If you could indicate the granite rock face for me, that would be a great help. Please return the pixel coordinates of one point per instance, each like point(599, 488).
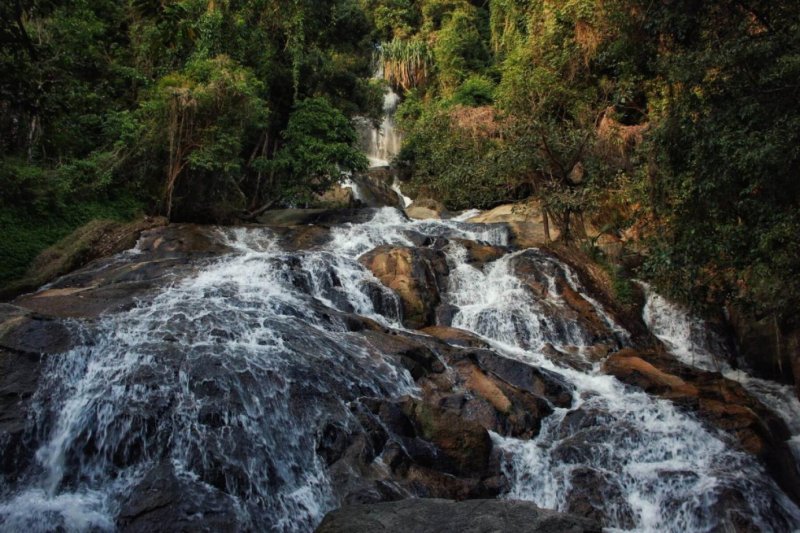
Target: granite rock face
point(435, 516)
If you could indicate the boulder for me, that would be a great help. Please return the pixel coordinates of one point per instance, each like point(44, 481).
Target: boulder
point(24, 331)
point(626, 366)
point(465, 445)
point(594, 493)
point(415, 274)
point(417, 358)
point(498, 406)
point(112, 284)
point(455, 336)
point(545, 277)
point(26, 339)
point(426, 209)
point(337, 196)
point(164, 501)
point(410, 448)
point(537, 381)
point(478, 254)
point(471, 516)
point(375, 189)
point(19, 377)
point(524, 220)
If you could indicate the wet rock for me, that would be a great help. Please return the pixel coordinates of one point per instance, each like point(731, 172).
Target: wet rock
point(434, 516)
point(594, 495)
point(417, 358)
point(295, 238)
point(524, 221)
point(375, 189)
point(549, 285)
point(719, 402)
point(24, 331)
point(599, 284)
point(445, 313)
point(478, 254)
point(182, 239)
point(337, 197)
point(97, 239)
point(420, 240)
point(569, 356)
point(411, 448)
point(455, 336)
point(465, 445)
point(626, 366)
point(538, 381)
point(26, 340)
point(496, 405)
point(114, 284)
point(163, 501)
point(19, 377)
point(415, 274)
point(585, 310)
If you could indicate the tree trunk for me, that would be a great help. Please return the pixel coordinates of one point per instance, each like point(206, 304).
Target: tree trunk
point(546, 221)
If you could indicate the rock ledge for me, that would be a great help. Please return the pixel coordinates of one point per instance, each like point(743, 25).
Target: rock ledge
point(471, 516)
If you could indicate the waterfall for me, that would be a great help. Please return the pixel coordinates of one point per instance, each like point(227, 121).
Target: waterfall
point(691, 341)
point(381, 143)
point(228, 376)
point(652, 467)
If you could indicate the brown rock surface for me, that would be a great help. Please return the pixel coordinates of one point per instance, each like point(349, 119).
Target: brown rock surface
point(414, 274)
point(479, 254)
point(426, 209)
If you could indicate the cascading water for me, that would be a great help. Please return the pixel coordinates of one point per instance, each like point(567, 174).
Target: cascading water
point(228, 376)
point(690, 340)
point(200, 377)
point(647, 465)
point(382, 143)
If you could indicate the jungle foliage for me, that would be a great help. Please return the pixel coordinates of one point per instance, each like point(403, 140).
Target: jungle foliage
point(186, 108)
point(674, 124)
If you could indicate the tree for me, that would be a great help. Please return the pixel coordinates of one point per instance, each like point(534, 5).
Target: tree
point(319, 149)
point(728, 151)
point(198, 120)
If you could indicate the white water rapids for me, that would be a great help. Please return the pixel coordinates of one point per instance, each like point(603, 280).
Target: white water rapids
point(229, 375)
point(690, 340)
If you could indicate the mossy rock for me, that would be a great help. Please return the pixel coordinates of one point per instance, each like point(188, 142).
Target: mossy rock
point(96, 239)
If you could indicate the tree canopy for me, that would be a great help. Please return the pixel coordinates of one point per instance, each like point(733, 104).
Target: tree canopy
point(675, 121)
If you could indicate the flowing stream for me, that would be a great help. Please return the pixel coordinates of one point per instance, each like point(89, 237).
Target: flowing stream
point(228, 376)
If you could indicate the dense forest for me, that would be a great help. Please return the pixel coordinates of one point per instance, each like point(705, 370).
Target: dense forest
point(675, 122)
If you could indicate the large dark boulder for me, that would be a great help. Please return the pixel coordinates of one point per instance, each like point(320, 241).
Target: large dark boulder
point(26, 339)
point(435, 516)
point(165, 501)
